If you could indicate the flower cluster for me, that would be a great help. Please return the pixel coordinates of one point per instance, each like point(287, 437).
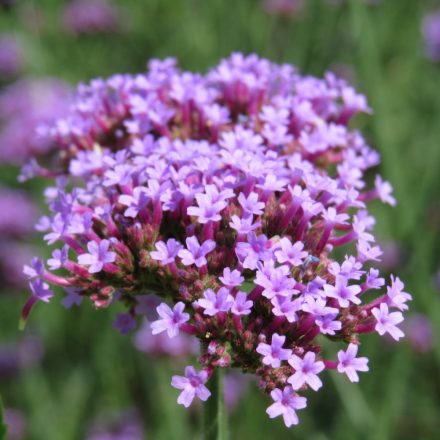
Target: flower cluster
point(229, 195)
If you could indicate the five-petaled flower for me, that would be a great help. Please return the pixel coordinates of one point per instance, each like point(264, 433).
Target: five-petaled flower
point(286, 404)
point(97, 256)
point(274, 353)
point(387, 322)
point(350, 364)
point(196, 252)
point(192, 385)
point(306, 371)
point(171, 319)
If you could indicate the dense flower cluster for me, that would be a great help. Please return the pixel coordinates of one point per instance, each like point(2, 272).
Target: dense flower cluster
point(232, 196)
point(24, 106)
point(431, 35)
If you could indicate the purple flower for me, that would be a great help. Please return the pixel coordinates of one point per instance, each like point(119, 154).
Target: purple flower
point(290, 253)
point(136, 202)
point(59, 258)
point(36, 270)
point(431, 35)
point(17, 213)
point(73, 297)
point(384, 191)
point(231, 278)
point(386, 321)
point(275, 281)
point(318, 307)
point(200, 187)
point(286, 402)
point(274, 353)
point(40, 290)
point(125, 323)
point(283, 306)
point(328, 325)
point(146, 305)
point(166, 252)
point(214, 303)
point(196, 253)
point(97, 256)
point(192, 385)
point(396, 297)
point(161, 344)
point(241, 305)
point(27, 107)
point(254, 250)
point(250, 204)
point(420, 333)
point(171, 319)
point(207, 210)
point(91, 16)
point(342, 292)
point(244, 225)
point(306, 371)
point(350, 364)
point(11, 57)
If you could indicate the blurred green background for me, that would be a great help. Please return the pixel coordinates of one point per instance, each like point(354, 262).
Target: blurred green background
point(88, 373)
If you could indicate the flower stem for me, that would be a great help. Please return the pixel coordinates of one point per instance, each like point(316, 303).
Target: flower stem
point(3, 428)
point(215, 417)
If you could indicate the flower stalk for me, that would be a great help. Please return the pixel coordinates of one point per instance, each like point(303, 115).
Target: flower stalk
point(215, 416)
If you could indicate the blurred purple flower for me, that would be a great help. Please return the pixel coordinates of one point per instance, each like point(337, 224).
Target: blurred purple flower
point(15, 357)
point(11, 57)
point(124, 322)
point(431, 35)
point(286, 8)
point(419, 332)
point(13, 256)
point(16, 423)
point(120, 426)
point(17, 212)
point(26, 107)
point(161, 344)
point(235, 386)
point(91, 17)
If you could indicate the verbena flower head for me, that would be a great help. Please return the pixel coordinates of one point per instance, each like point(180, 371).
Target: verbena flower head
point(226, 195)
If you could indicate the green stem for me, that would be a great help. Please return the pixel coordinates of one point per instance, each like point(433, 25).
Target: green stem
point(3, 427)
point(215, 417)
